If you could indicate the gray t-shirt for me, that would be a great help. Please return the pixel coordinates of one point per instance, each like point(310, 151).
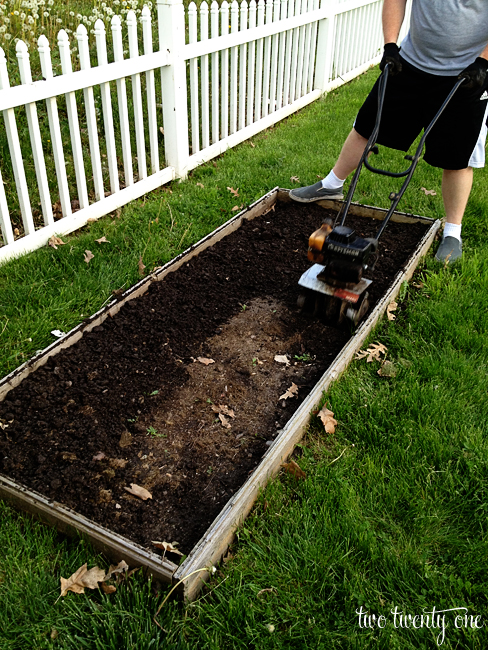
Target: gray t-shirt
point(446, 35)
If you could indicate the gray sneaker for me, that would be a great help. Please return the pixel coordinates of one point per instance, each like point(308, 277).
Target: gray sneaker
point(315, 193)
point(450, 249)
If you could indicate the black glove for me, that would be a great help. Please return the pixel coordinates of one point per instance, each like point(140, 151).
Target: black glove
point(475, 73)
point(391, 55)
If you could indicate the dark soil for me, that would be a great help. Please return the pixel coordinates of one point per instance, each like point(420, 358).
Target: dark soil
point(131, 402)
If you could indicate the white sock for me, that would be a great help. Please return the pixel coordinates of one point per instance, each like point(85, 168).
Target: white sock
point(452, 230)
point(331, 182)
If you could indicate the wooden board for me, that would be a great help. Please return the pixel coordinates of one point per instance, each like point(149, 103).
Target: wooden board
point(213, 545)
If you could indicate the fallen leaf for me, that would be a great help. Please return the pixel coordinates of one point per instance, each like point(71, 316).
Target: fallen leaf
point(225, 422)
point(205, 361)
point(167, 547)
point(108, 589)
point(88, 256)
point(221, 408)
point(290, 392)
point(233, 191)
point(125, 439)
point(237, 207)
point(252, 144)
point(116, 569)
point(161, 130)
point(102, 240)
point(138, 491)
point(387, 369)
point(82, 579)
point(294, 469)
point(294, 179)
point(99, 456)
point(328, 420)
point(390, 309)
point(16, 232)
point(418, 285)
point(56, 241)
point(427, 192)
point(200, 185)
point(282, 358)
point(57, 210)
point(118, 462)
point(374, 351)
point(141, 265)
point(271, 590)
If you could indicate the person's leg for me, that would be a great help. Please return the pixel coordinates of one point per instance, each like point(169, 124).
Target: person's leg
point(350, 155)
point(456, 187)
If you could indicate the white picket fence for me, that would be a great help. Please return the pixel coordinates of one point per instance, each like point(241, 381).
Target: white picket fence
point(248, 65)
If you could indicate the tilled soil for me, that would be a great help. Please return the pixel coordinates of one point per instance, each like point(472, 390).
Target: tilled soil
point(180, 392)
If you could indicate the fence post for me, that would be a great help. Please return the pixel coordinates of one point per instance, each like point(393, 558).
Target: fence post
point(325, 47)
point(171, 27)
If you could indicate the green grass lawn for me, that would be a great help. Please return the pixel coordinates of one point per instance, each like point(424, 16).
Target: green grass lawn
point(393, 511)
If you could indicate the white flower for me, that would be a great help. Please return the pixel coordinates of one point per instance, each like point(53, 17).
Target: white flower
point(36, 16)
point(71, 13)
point(59, 21)
point(30, 20)
point(22, 15)
point(46, 14)
point(7, 37)
point(16, 13)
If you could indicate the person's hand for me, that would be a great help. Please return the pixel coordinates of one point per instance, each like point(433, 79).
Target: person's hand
point(391, 55)
point(474, 74)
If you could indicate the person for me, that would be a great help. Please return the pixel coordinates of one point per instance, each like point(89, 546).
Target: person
point(447, 40)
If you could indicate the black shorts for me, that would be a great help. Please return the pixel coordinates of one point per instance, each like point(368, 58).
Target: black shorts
point(412, 99)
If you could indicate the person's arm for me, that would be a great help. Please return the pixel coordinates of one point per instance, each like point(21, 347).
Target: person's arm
point(393, 15)
point(484, 54)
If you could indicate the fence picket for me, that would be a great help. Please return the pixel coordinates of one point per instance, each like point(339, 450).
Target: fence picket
point(16, 155)
point(313, 49)
point(214, 26)
point(194, 99)
point(234, 54)
point(301, 50)
point(204, 77)
point(224, 81)
point(73, 122)
point(116, 26)
point(55, 128)
point(242, 68)
point(36, 143)
point(5, 224)
point(91, 115)
point(259, 65)
point(267, 60)
point(294, 54)
point(274, 59)
point(152, 121)
point(251, 64)
point(288, 51)
point(137, 97)
point(306, 52)
point(281, 57)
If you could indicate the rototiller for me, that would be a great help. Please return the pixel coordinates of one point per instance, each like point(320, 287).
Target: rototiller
point(334, 287)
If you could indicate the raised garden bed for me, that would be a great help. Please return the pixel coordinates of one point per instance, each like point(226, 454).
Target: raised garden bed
point(174, 387)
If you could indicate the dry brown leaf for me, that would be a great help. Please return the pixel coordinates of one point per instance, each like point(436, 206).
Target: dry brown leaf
point(282, 358)
point(252, 144)
point(387, 369)
point(102, 240)
point(200, 185)
point(141, 266)
point(222, 408)
point(374, 351)
point(167, 547)
point(205, 361)
point(233, 191)
point(227, 558)
point(418, 285)
point(427, 192)
point(225, 422)
point(161, 130)
point(16, 232)
point(118, 462)
point(108, 589)
point(99, 456)
point(88, 256)
point(237, 207)
point(290, 392)
point(294, 469)
point(56, 241)
point(82, 579)
point(270, 590)
point(294, 179)
point(390, 309)
point(138, 491)
point(116, 569)
point(328, 420)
